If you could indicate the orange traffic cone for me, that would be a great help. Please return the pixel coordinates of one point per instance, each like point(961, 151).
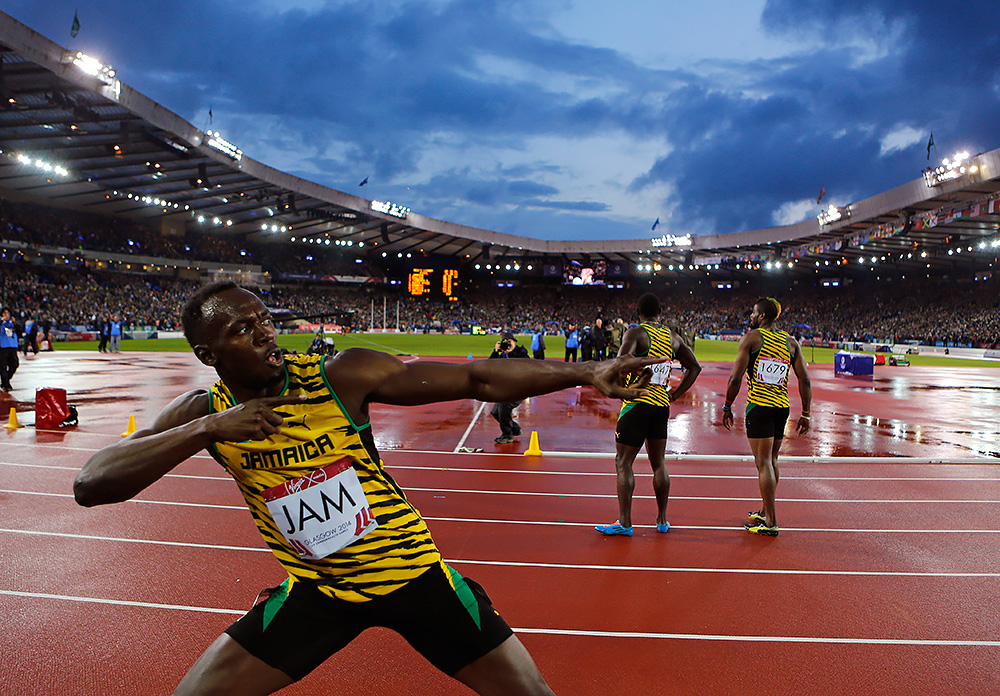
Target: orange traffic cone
point(131, 427)
point(533, 449)
point(12, 423)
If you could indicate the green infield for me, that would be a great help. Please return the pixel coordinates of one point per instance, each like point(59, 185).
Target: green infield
point(463, 345)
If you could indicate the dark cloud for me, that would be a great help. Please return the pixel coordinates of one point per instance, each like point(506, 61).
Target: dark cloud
point(386, 90)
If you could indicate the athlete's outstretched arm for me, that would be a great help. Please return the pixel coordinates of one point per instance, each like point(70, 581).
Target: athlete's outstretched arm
point(805, 385)
point(361, 376)
point(181, 430)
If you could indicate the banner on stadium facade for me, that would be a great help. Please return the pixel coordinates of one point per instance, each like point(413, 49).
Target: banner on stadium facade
point(315, 277)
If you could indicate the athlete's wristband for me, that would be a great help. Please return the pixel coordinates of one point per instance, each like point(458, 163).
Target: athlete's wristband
point(728, 408)
point(803, 417)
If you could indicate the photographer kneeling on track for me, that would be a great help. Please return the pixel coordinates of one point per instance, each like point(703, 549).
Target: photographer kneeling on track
point(503, 413)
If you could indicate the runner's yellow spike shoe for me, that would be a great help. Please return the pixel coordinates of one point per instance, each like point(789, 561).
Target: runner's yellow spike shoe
point(761, 528)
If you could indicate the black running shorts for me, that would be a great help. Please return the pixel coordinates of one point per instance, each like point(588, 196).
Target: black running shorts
point(766, 421)
point(641, 421)
point(295, 631)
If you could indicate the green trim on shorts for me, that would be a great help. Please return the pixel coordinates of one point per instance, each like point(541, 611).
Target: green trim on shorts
point(275, 602)
point(465, 595)
point(750, 406)
point(627, 407)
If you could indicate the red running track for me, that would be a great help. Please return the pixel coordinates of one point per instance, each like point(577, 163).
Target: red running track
point(883, 580)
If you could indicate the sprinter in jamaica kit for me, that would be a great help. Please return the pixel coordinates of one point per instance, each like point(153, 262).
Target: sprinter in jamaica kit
point(294, 433)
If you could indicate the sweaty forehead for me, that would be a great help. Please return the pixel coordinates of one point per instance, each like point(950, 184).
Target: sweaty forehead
point(229, 306)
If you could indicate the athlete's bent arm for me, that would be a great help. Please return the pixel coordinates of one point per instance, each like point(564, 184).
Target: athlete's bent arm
point(692, 368)
point(747, 344)
point(181, 430)
point(805, 386)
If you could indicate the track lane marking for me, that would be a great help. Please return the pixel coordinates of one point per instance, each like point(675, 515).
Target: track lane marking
point(555, 631)
point(548, 565)
point(734, 477)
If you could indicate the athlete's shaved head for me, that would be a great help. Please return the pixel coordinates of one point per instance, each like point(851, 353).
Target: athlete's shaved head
point(648, 306)
point(193, 318)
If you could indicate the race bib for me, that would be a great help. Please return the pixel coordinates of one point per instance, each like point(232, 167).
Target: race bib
point(321, 512)
point(771, 370)
point(661, 374)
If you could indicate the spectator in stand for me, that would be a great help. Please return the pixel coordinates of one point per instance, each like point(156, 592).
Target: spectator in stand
point(617, 332)
point(538, 343)
point(30, 335)
point(600, 338)
point(115, 334)
point(586, 344)
point(8, 349)
point(103, 327)
point(572, 343)
point(46, 326)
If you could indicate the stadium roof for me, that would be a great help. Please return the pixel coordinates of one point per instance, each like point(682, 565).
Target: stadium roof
point(74, 135)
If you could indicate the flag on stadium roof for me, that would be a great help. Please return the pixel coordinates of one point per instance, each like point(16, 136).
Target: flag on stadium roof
point(656, 224)
point(365, 181)
point(75, 28)
point(930, 144)
point(822, 192)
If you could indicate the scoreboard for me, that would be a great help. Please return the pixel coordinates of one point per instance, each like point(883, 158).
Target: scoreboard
point(434, 283)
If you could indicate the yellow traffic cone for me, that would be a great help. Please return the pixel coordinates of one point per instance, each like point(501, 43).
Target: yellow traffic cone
point(12, 423)
point(131, 427)
point(533, 449)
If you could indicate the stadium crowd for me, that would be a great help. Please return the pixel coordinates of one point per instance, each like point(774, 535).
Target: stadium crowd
point(71, 294)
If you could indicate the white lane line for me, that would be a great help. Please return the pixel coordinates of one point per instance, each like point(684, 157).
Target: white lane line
point(529, 564)
point(472, 423)
point(557, 494)
point(760, 639)
point(599, 496)
point(638, 474)
point(133, 500)
point(558, 631)
point(549, 523)
point(123, 540)
point(536, 472)
point(681, 457)
point(121, 602)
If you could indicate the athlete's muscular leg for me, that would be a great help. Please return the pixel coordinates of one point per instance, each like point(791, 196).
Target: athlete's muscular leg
point(507, 670)
point(656, 449)
point(774, 458)
point(227, 669)
point(767, 476)
point(624, 458)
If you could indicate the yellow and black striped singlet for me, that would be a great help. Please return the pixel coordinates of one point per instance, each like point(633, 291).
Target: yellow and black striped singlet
point(775, 346)
point(660, 344)
point(317, 433)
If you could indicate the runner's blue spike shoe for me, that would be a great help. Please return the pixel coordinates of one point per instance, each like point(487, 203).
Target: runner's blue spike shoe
point(663, 528)
point(615, 529)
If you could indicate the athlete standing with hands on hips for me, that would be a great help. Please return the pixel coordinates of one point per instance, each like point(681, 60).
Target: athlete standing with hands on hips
point(766, 355)
point(294, 433)
point(644, 420)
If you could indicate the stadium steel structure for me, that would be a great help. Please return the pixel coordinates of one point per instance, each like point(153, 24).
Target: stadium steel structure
point(73, 135)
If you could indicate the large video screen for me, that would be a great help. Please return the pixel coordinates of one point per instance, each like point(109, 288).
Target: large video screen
point(575, 273)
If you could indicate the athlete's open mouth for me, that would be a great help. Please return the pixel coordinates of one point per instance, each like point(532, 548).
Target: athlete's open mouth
point(275, 358)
